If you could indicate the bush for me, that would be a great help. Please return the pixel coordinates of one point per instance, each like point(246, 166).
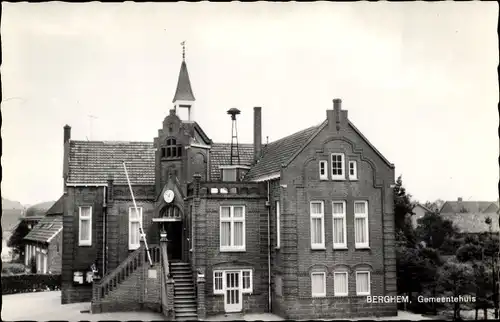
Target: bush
point(30, 283)
point(13, 269)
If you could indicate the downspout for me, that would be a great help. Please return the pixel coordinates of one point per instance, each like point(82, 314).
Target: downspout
point(268, 204)
point(104, 244)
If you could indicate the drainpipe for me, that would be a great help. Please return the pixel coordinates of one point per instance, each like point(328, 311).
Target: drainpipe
point(104, 244)
point(268, 204)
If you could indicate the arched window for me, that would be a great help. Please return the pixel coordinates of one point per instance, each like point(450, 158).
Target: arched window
point(171, 150)
point(172, 212)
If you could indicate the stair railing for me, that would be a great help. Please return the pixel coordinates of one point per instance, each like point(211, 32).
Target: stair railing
point(133, 262)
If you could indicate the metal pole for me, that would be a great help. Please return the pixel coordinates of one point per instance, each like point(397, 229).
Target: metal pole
point(141, 230)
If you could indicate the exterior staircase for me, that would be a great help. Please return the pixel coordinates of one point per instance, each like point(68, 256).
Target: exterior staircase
point(185, 305)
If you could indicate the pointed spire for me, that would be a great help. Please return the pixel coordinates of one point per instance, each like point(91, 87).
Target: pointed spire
point(183, 91)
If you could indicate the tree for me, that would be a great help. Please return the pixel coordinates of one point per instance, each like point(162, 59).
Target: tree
point(491, 253)
point(16, 240)
point(434, 206)
point(472, 252)
point(456, 279)
point(434, 230)
point(402, 213)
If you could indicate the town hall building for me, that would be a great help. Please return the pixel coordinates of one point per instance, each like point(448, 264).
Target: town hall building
point(302, 227)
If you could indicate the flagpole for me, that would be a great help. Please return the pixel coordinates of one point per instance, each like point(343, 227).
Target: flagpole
point(141, 229)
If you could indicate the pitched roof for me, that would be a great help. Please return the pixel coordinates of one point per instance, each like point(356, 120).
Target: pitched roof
point(93, 162)
point(57, 208)
point(220, 154)
point(183, 91)
point(469, 207)
point(38, 210)
point(278, 152)
point(46, 229)
point(472, 222)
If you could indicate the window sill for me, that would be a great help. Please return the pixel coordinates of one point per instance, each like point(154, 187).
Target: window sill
point(277, 248)
point(323, 179)
point(340, 248)
point(318, 248)
point(353, 179)
point(341, 295)
point(338, 179)
point(85, 244)
point(320, 296)
point(362, 247)
point(363, 294)
point(232, 250)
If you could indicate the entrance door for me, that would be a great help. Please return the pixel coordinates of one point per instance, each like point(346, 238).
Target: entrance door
point(174, 236)
point(232, 293)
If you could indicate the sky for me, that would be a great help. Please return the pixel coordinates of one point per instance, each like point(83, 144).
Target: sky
point(419, 80)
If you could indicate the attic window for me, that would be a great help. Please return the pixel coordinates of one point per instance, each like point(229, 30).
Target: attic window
point(172, 149)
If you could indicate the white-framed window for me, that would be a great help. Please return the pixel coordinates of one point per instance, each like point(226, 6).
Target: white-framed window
point(232, 228)
point(361, 224)
point(318, 284)
point(353, 170)
point(218, 282)
point(338, 171)
point(85, 226)
point(317, 225)
point(363, 283)
point(134, 224)
point(45, 264)
point(323, 172)
point(278, 224)
point(340, 284)
point(339, 225)
point(247, 283)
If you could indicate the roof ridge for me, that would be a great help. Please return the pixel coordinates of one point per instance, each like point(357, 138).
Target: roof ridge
point(113, 141)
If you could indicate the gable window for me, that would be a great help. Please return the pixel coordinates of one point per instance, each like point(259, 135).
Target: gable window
point(339, 225)
point(340, 284)
point(323, 175)
point(318, 284)
point(172, 149)
point(317, 225)
point(246, 276)
point(232, 228)
point(85, 226)
point(338, 172)
point(218, 282)
point(362, 283)
point(353, 171)
point(361, 224)
point(278, 224)
point(134, 224)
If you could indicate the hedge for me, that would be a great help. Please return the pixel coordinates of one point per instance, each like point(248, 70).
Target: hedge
point(30, 283)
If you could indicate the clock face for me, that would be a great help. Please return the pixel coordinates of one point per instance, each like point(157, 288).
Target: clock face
point(168, 196)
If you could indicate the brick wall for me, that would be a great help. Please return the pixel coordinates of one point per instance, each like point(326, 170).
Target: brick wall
point(76, 257)
point(298, 260)
point(208, 257)
point(117, 228)
point(54, 254)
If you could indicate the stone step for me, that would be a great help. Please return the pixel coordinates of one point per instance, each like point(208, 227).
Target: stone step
point(186, 316)
point(183, 282)
point(185, 310)
point(184, 300)
point(176, 264)
point(185, 297)
point(185, 306)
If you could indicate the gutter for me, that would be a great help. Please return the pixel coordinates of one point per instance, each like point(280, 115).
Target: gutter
point(268, 205)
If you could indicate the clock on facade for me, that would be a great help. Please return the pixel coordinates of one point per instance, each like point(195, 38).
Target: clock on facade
point(168, 196)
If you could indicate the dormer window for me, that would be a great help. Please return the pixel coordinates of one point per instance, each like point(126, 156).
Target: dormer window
point(232, 173)
point(172, 150)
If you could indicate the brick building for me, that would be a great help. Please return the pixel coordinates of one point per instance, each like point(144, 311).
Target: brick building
point(302, 227)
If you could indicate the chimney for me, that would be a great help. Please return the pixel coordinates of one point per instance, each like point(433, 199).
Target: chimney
point(460, 199)
point(67, 133)
point(257, 133)
point(337, 118)
point(67, 138)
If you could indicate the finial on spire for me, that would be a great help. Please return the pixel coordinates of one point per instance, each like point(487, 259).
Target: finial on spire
point(183, 50)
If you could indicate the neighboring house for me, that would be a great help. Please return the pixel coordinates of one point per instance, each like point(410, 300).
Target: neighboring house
point(470, 216)
point(44, 241)
point(419, 211)
point(302, 227)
